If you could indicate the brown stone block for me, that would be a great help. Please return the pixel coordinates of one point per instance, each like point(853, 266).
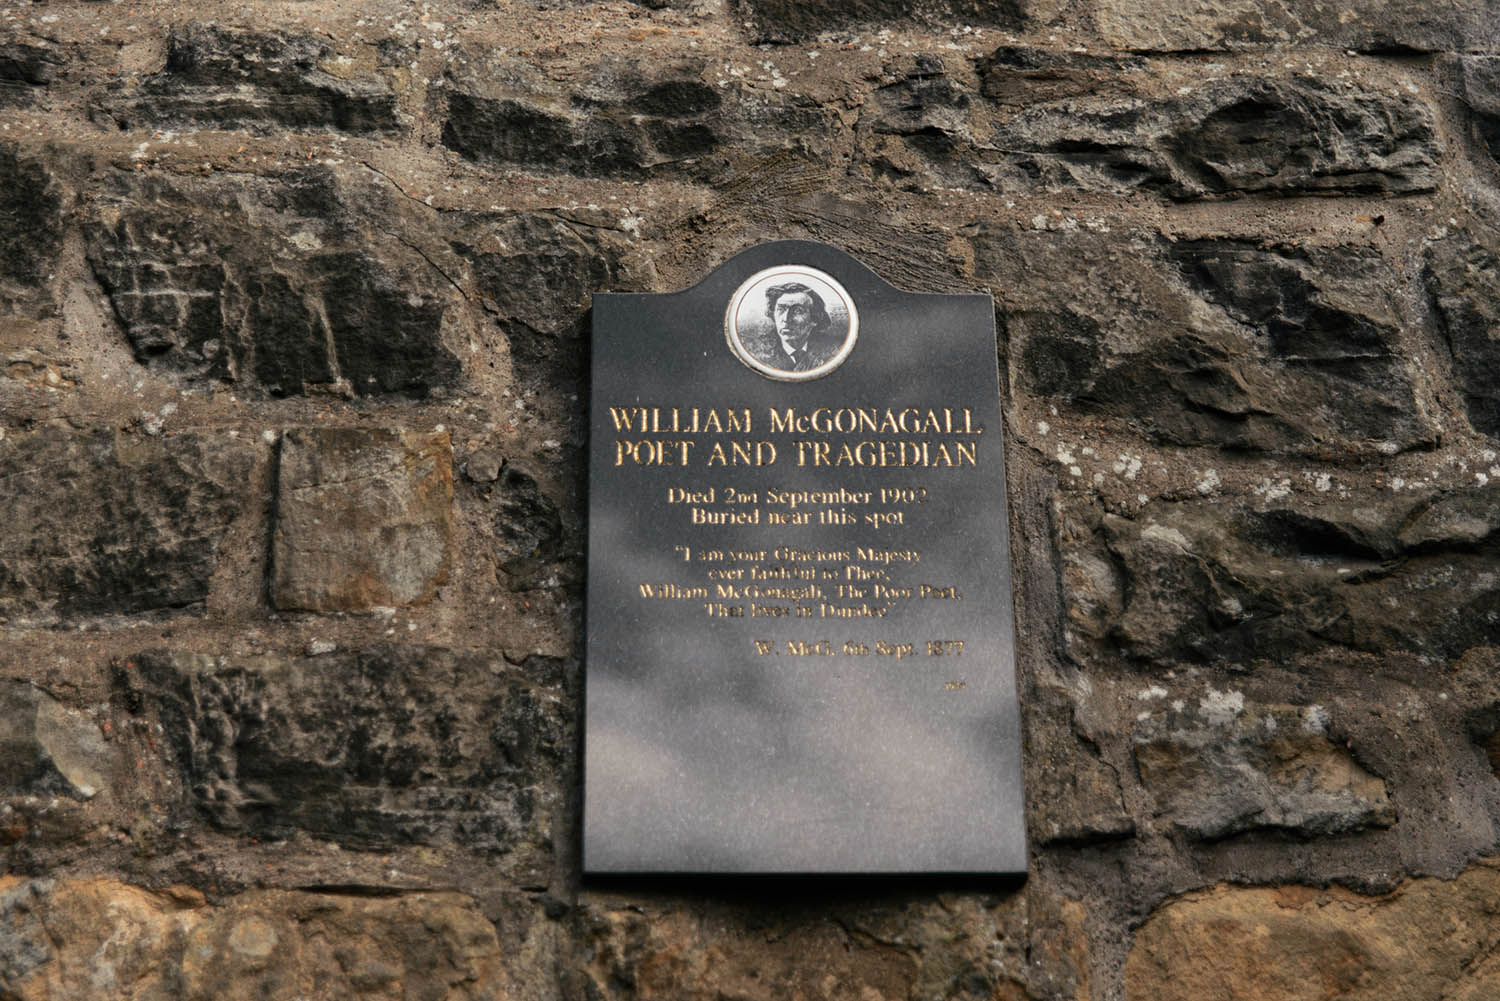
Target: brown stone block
point(363, 519)
point(1432, 938)
point(88, 939)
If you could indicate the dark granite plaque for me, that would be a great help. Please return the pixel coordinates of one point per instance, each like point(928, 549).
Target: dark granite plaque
point(800, 645)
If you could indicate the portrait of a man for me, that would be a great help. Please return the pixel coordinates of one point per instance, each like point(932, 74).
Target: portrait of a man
point(791, 323)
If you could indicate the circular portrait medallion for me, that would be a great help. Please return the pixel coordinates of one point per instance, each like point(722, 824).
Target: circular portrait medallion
point(791, 323)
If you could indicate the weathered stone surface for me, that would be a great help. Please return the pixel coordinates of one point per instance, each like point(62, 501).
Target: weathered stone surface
point(1217, 768)
point(1083, 801)
point(791, 21)
point(536, 274)
point(97, 939)
point(623, 118)
point(1223, 342)
point(1479, 78)
point(363, 519)
point(98, 523)
point(26, 66)
point(1373, 26)
point(528, 527)
point(857, 947)
point(1252, 135)
point(274, 287)
point(922, 124)
point(1463, 281)
point(31, 228)
point(1235, 582)
point(46, 748)
point(379, 747)
point(233, 78)
point(1432, 938)
point(1019, 76)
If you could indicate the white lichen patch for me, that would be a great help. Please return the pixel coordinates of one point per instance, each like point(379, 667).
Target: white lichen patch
point(1274, 489)
point(1219, 708)
point(1170, 536)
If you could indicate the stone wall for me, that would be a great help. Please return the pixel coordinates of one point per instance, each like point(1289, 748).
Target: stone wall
point(293, 338)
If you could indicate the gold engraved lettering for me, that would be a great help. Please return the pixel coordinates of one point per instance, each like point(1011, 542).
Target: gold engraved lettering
point(876, 420)
point(742, 453)
point(679, 420)
point(887, 453)
point(653, 453)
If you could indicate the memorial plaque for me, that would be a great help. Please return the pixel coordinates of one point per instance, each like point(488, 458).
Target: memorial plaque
point(800, 651)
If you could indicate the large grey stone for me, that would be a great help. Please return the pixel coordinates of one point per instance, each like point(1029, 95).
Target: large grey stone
point(276, 286)
point(1479, 78)
point(27, 66)
point(1463, 281)
point(1242, 134)
point(536, 274)
point(363, 519)
point(1213, 342)
point(233, 78)
point(1394, 26)
point(46, 748)
point(1217, 768)
point(1241, 582)
point(1076, 795)
point(377, 747)
point(31, 225)
point(629, 118)
point(793, 21)
point(97, 523)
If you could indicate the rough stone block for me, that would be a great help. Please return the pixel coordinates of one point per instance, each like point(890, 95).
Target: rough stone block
point(1243, 134)
point(27, 65)
point(1479, 79)
point(1301, 943)
point(956, 946)
point(271, 285)
point(387, 335)
point(537, 274)
point(791, 21)
point(48, 749)
point(92, 939)
point(922, 124)
point(99, 524)
point(1217, 768)
point(1463, 281)
point(1217, 342)
point(1236, 582)
point(1083, 801)
point(363, 519)
point(31, 225)
point(230, 78)
point(1020, 76)
point(528, 527)
point(379, 747)
point(627, 118)
point(1394, 26)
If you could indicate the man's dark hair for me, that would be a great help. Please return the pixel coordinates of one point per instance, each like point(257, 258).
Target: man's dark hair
point(820, 319)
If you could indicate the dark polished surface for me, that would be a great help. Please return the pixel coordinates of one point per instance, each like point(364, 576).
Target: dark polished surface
point(853, 747)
